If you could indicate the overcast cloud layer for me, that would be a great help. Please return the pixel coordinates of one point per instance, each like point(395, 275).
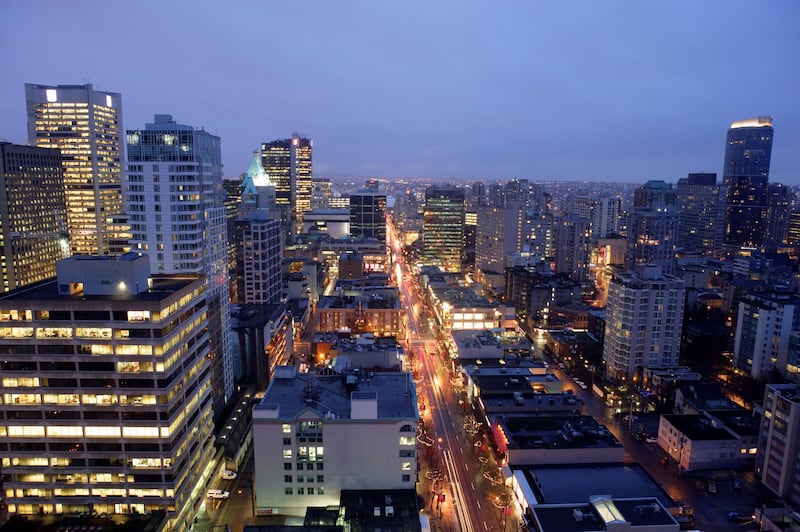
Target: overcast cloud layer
point(614, 91)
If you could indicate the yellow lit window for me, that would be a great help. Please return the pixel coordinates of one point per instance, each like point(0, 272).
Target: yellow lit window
point(14, 382)
point(406, 466)
point(22, 398)
point(287, 454)
point(140, 432)
point(102, 432)
point(407, 440)
point(61, 398)
point(25, 431)
point(64, 431)
point(287, 428)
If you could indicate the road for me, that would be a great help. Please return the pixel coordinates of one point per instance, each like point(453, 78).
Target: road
point(469, 495)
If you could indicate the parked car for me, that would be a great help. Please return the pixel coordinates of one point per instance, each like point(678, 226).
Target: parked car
point(227, 474)
point(740, 518)
point(711, 487)
point(218, 494)
point(736, 483)
point(652, 439)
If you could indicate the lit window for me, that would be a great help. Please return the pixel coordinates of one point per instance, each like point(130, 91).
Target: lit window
point(287, 454)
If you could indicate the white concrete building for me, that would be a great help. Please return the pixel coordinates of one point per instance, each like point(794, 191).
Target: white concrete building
point(644, 321)
point(314, 436)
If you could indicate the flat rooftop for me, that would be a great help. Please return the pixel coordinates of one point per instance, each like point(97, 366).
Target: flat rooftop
point(291, 393)
point(573, 484)
point(162, 287)
point(697, 427)
point(564, 431)
point(601, 512)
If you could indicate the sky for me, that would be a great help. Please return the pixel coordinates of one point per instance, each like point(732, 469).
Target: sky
point(626, 90)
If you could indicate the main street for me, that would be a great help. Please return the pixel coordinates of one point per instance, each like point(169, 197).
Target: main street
point(461, 476)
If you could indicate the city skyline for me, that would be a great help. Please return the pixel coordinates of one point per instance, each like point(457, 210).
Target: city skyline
point(609, 93)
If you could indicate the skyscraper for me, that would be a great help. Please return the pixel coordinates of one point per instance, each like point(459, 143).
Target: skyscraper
point(778, 456)
point(288, 164)
point(368, 215)
point(33, 214)
point(499, 233)
point(746, 174)
point(443, 226)
point(572, 237)
point(780, 199)
point(175, 201)
point(700, 214)
point(85, 125)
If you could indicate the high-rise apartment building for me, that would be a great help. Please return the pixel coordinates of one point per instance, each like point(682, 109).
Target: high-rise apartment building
point(602, 212)
point(572, 238)
point(701, 216)
point(107, 391)
point(780, 199)
point(175, 201)
point(778, 454)
point(85, 125)
point(653, 226)
point(368, 215)
point(443, 226)
point(288, 164)
point(745, 175)
point(763, 326)
point(500, 232)
point(33, 214)
point(644, 321)
point(314, 436)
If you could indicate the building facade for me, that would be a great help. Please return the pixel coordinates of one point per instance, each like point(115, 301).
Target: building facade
point(33, 214)
point(85, 125)
point(763, 326)
point(778, 457)
point(701, 216)
point(288, 164)
point(745, 174)
point(368, 215)
point(644, 321)
point(175, 202)
point(106, 391)
point(443, 227)
point(314, 436)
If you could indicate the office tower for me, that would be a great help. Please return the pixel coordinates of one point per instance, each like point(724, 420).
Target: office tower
point(701, 216)
point(572, 238)
point(233, 196)
point(500, 232)
point(315, 435)
point(443, 226)
point(644, 321)
point(778, 453)
point(653, 226)
point(368, 215)
point(175, 200)
point(745, 175)
point(33, 214)
point(517, 190)
point(257, 238)
point(85, 125)
point(107, 391)
point(779, 205)
point(763, 326)
point(288, 164)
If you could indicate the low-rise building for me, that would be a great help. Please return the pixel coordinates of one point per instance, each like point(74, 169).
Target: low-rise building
point(315, 436)
point(604, 513)
point(376, 311)
point(699, 441)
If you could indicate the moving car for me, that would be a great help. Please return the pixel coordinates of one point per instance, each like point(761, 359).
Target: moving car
point(227, 474)
point(218, 494)
point(652, 439)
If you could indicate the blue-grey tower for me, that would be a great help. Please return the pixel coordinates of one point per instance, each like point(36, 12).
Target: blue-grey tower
point(746, 176)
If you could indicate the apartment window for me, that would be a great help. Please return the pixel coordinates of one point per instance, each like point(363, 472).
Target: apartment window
point(300, 466)
point(311, 491)
point(319, 466)
point(406, 478)
point(287, 466)
point(287, 478)
point(287, 454)
point(287, 428)
point(288, 491)
point(300, 491)
point(287, 441)
point(320, 478)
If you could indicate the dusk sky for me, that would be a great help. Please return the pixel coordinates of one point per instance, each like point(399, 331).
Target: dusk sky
point(606, 91)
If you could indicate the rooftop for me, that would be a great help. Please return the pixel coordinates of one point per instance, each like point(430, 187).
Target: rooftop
point(162, 287)
point(290, 393)
point(567, 431)
point(697, 427)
